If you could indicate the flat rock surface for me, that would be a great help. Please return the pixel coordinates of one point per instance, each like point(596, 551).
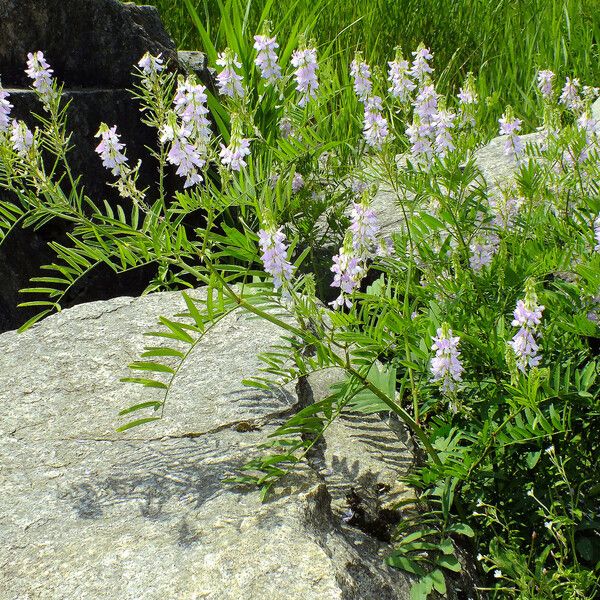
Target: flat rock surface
point(87, 513)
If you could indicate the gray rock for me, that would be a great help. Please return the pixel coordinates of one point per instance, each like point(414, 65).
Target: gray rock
point(363, 454)
point(88, 513)
point(496, 167)
point(89, 43)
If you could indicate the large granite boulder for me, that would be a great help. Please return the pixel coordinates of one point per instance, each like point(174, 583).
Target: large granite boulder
point(87, 513)
point(89, 43)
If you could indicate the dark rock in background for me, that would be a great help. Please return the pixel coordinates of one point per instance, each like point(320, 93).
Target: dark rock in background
point(89, 43)
point(92, 45)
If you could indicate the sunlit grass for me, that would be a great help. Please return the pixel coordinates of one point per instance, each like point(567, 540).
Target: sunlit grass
point(503, 42)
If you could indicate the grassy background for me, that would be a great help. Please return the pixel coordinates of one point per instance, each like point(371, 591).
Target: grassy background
point(502, 41)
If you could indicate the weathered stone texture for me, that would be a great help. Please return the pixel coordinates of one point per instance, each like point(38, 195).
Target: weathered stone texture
point(90, 514)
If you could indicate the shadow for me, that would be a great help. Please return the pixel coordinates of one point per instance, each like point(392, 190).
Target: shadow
point(153, 476)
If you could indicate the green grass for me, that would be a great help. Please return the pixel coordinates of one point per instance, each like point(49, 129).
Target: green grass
point(502, 41)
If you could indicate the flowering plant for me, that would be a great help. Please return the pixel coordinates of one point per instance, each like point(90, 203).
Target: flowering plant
point(419, 321)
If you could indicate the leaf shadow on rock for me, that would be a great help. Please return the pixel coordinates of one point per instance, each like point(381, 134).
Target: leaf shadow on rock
point(155, 478)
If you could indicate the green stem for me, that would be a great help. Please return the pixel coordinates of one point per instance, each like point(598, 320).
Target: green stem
point(339, 361)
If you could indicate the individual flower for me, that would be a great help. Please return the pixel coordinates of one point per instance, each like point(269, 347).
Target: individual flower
point(190, 106)
point(510, 126)
point(364, 228)
point(187, 156)
point(527, 316)
point(305, 63)
point(151, 65)
point(348, 272)
point(39, 71)
point(21, 138)
point(229, 81)
point(110, 149)
point(297, 183)
point(285, 127)
point(483, 251)
point(420, 67)
point(399, 76)
point(232, 156)
point(375, 126)
point(570, 95)
point(443, 123)
point(274, 255)
point(361, 73)
point(446, 366)
point(266, 59)
point(597, 233)
point(545, 79)
point(5, 108)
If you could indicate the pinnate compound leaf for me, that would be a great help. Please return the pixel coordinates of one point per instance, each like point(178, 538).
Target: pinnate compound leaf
point(151, 366)
point(152, 404)
point(136, 423)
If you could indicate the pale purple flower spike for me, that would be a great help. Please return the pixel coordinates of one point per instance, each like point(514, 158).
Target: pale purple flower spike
point(110, 148)
point(527, 316)
point(364, 228)
point(297, 183)
point(348, 273)
point(5, 108)
point(510, 126)
point(266, 59)
point(570, 95)
point(229, 81)
point(21, 138)
point(305, 63)
point(446, 366)
point(233, 155)
point(545, 79)
point(375, 126)
point(151, 65)
point(274, 255)
point(39, 71)
point(361, 73)
point(401, 84)
point(188, 157)
point(420, 67)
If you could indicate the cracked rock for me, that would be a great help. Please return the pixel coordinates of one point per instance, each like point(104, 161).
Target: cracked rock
point(89, 513)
